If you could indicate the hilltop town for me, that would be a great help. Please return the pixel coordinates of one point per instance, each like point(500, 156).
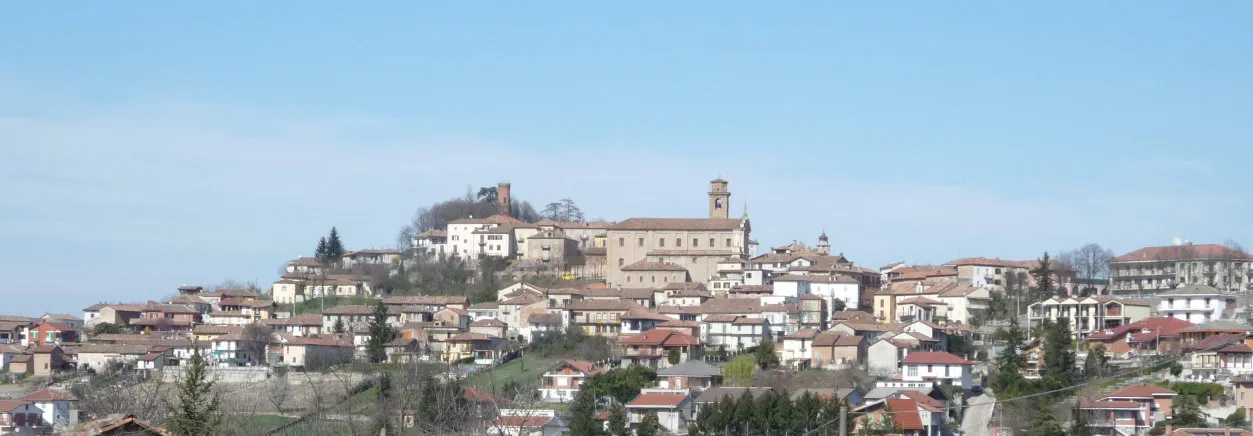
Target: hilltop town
point(508, 325)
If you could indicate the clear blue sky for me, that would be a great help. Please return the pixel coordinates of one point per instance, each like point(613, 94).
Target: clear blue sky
point(146, 145)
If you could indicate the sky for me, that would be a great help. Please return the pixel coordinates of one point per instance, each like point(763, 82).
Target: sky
point(148, 145)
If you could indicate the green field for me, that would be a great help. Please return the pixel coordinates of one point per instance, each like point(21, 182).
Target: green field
point(315, 305)
point(264, 423)
point(524, 371)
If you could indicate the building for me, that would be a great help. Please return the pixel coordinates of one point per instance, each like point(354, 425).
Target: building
point(653, 348)
point(832, 350)
point(696, 245)
point(57, 408)
point(1243, 393)
point(1159, 334)
point(981, 272)
point(736, 333)
point(672, 407)
point(51, 333)
point(470, 237)
point(561, 383)
point(693, 374)
point(1155, 269)
point(523, 422)
point(964, 303)
point(941, 367)
point(385, 256)
point(1195, 303)
point(1087, 315)
point(1132, 409)
point(21, 418)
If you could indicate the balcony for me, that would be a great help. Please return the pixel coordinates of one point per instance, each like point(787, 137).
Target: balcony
point(645, 352)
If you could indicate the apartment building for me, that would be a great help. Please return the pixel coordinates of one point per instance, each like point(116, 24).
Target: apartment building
point(1156, 269)
point(1195, 303)
point(1088, 315)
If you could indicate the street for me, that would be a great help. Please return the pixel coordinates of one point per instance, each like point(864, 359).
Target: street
point(978, 415)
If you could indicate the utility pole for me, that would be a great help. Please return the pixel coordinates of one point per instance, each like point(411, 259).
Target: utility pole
point(843, 420)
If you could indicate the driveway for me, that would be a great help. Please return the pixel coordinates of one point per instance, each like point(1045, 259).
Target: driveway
point(978, 415)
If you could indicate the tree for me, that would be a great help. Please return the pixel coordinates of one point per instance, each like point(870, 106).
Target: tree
point(1079, 426)
point(1059, 353)
point(334, 247)
point(838, 305)
point(1237, 419)
point(320, 253)
point(105, 328)
point(199, 408)
point(623, 384)
point(1094, 364)
point(1232, 277)
point(740, 371)
point(1044, 423)
point(1043, 274)
point(488, 194)
point(1091, 264)
point(1187, 412)
point(339, 326)
point(256, 343)
point(563, 210)
point(765, 355)
point(617, 422)
point(674, 356)
point(650, 427)
point(582, 415)
point(380, 334)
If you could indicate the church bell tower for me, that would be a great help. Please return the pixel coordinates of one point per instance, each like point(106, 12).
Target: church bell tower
point(719, 199)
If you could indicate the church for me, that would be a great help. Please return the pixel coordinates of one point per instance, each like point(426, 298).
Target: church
point(652, 252)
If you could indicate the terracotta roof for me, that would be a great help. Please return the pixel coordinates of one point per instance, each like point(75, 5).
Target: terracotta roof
point(523, 300)
point(749, 321)
point(851, 315)
point(488, 322)
point(834, 339)
point(490, 305)
point(920, 301)
point(48, 395)
point(545, 319)
point(935, 357)
point(1193, 289)
point(1182, 252)
point(657, 400)
point(11, 405)
point(711, 224)
point(1106, 404)
point(256, 304)
point(494, 219)
point(467, 337)
point(983, 261)
point(187, 299)
point(905, 413)
point(1139, 390)
point(802, 334)
point(640, 313)
point(431, 234)
point(357, 309)
point(95, 307)
point(316, 341)
point(21, 358)
point(136, 349)
point(752, 289)
point(1165, 324)
point(44, 348)
point(583, 366)
point(685, 286)
point(661, 337)
point(305, 319)
point(645, 265)
point(603, 305)
point(1220, 326)
point(211, 329)
point(1236, 348)
point(169, 308)
point(521, 421)
point(475, 395)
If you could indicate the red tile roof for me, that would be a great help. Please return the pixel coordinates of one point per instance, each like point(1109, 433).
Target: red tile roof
point(521, 421)
point(657, 399)
point(1107, 404)
point(678, 224)
point(835, 339)
point(935, 357)
point(584, 367)
point(10, 405)
point(1183, 252)
point(905, 413)
point(661, 337)
point(1139, 390)
point(475, 395)
point(1168, 326)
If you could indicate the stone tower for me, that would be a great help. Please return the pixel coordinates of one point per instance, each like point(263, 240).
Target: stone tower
point(719, 199)
point(824, 245)
point(503, 199)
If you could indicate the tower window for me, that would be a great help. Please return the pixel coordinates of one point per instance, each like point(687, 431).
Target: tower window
point(641, 242)
point(717, 203)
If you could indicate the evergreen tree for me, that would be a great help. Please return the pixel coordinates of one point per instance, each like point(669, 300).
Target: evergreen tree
point(1237, 419)
point(339, 326)
point(617, 423)
point(320, 252)
point(745, 409)
point(1043, 273)
point(1059, 354)
point(674, 356)
point(1044, 423)
point(199, 409)
point(1079, 427)
point(334, 247)
point(806, 409)
point(765, 354)
point(1187, 412)
point(650, 426)
point(582, 415)
point(1094, 364)
point(380, 334)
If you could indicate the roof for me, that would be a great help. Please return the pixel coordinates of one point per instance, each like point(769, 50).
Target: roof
point(1210, 432)
point(658, 399)
point(645, 265)
point(582, 366)
point(1182, 252)
point(1220, 326)
point(61, 317)
point(45, 348)
point(1193, 289)
point(48, 395)
point(1107, 404)
point(245, 303)
point(545, 319)
point(662, 337)
point(54, 326)
point(1166, 325)
point(21, 358)
point(359, 310)
point(488, 322)
point(716, 394)
point(466, 337)
point(521, 421)
point(305, 319)
point(604, 305)
point(478, 396)
point(494, 219)
point(935, 357)
point(983, 261)
point(131, 420)
point(920, 301)
point(1139, 390)
point(835, 339)
point(425, 299)
point(905, 413)
point(490, 305)
point(10, 405)
point(326, 342)
point(691, 368)
point(679, 224)
point(137, 349)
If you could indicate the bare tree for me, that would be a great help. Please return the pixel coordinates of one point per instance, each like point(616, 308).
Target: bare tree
point(276, 390)
point(256, 341)
point(1090, 262)
point(1233, 277)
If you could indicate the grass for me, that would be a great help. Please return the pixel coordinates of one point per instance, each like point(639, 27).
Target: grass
point(315, 305)
point(264, 423)
point(524, 371)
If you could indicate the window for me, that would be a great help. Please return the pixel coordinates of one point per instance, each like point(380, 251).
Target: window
point(678, 242)
point(619, 261)
point(641, 279)
point(653, 279)
point(621, 241)
point(912, 370)
point(881, 303)
point(728, 242)
point(661, 242)
point(711, 242)
point(998, 270)
point(454, 237)
point(641, 242)
point(695, 242)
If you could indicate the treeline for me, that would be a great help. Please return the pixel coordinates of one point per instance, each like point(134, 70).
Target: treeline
point(773, 412)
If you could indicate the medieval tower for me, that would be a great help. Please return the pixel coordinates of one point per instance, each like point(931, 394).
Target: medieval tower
point(503, 199)
point(719, 199)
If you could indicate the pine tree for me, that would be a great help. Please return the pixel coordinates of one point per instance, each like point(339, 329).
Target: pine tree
point(617, 423)
point(1044, 423)
point(1043, 273)
point(320, 252)
point(582, 415)
point(1079, 427)
point(745, 408)
point(339, 326)
point(650, 427)
point(1059, 354)
point(199, 409)
point(334, 247)
point(380, 334)
point(765, 354)
point(1094, 364)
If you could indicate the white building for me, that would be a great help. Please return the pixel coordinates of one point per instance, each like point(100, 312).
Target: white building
point(561, 383)
point(672, 407)
point(736, 333)
point(465, 241)
point(1153, 269)
point(55, 407)
point(1197, 304)
point(944, 368)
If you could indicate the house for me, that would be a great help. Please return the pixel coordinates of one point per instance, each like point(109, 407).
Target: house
point(118, 425)
point(57, 407)
point(430, 242)
point(1131, 409)
point(525, 422)
point(313, 353)
point(73, 322)
point(638, 320)
point(981, 272)
point(477, 347)
point(490, 327)
point(832, 350)
point(672, 407)
point(352, 317)
point(51, 333)
point(1154, 269)
point(306, 266)
point(289, 290)
point(736, 333)
point(686, 294)
point(599, 317)
point(487, 310)
point(943, 368)
point(371, 256)
point(653, 348)
point(693, 374)
point(255, 309)
point(344, 285)
point(166, 317)
point(7, 353)
point(964, 303)
point(561, 382)
point(886, 300)
point(96, 356)
point(1220, 355)
point(797, 348)
point(22, 364)
point(200, 305)
point(1243, 393)
point(883, 357)
point(1197, 333)
point(46, 360)
point(1147, 336)
point(1087, 315)
point(470, 237)
point(516, 311)
point(544, 324)
point(906, 413)
point(298, 325)
point(21, 417)
point(13, 332)
point(919, 309)
point(1195, 303)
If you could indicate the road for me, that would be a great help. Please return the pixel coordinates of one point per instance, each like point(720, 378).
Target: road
point(978, 415)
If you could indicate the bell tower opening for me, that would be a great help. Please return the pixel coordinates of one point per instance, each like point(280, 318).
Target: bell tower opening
point(719, 199)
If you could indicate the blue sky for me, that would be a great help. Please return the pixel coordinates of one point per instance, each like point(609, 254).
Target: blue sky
point(145, 145)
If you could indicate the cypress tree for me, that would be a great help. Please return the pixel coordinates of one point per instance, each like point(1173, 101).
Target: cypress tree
point(380, 334)
point(199, 409)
